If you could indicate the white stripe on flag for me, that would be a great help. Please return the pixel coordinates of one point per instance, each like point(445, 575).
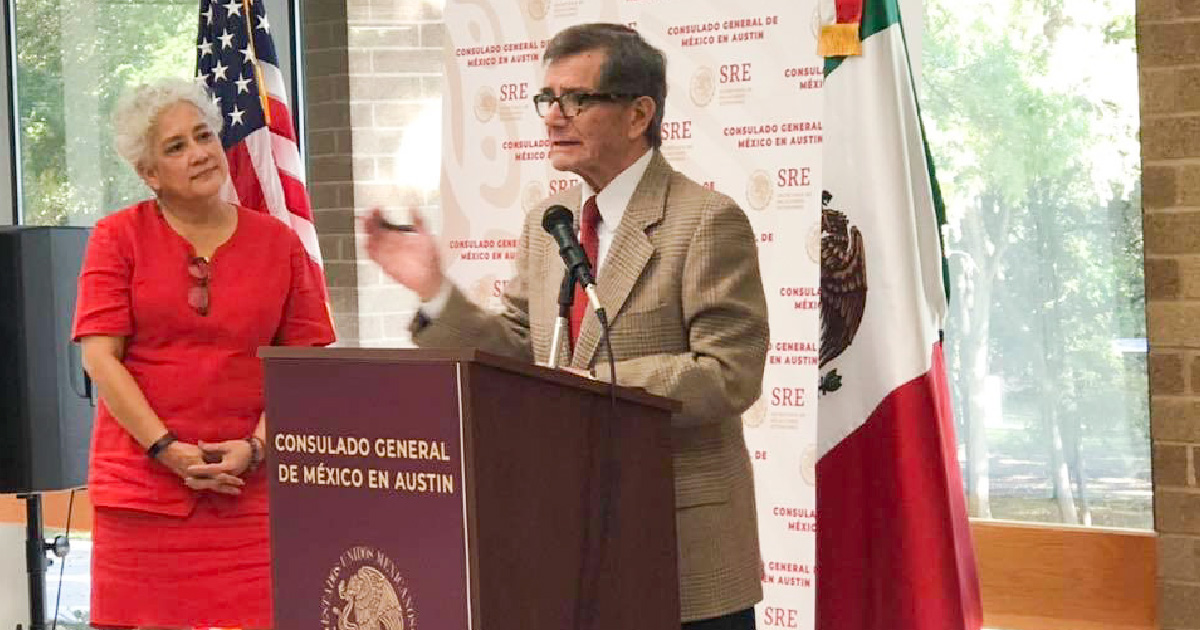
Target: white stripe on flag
point(258, 145)
point(274, 82)
point(308, 236)
point(287, 157)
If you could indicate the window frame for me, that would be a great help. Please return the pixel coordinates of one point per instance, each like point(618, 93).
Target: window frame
point(10, 187)
point(1035, 576)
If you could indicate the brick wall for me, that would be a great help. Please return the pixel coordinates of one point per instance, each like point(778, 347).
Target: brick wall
point(1169, 61)
point(330, 176)
point(372, 68)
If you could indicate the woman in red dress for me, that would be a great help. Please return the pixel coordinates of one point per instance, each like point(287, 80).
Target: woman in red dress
point(176, 295)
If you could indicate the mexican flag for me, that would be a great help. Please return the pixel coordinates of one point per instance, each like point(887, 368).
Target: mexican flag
point(893, 546)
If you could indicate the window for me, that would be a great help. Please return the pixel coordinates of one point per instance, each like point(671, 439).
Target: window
point(73, 60)
point(1031, 109)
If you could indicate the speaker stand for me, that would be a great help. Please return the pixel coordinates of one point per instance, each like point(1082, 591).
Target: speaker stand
point(36, 547)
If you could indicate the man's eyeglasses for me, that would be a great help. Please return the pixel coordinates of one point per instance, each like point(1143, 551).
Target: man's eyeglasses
point(198, 293)
point(571, 103)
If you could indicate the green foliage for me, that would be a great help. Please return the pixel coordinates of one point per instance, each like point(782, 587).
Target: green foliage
point(74, 59)
point(1036, 148)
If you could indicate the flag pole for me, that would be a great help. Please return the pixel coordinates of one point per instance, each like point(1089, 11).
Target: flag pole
point(258, 75)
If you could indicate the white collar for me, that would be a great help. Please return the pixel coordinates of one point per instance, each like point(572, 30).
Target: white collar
point(612, 201)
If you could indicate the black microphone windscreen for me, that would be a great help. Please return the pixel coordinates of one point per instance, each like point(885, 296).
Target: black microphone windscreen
point(555, 216)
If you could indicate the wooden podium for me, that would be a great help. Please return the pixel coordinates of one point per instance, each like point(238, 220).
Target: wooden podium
point(453, 489)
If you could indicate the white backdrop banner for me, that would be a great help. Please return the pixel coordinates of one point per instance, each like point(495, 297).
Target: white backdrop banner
point(743, 116)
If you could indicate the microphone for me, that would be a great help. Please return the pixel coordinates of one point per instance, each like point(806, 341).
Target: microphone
point(557, 221)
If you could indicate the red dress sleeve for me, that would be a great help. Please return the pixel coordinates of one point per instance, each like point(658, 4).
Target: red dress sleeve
point(103, 303)
point(305, 313)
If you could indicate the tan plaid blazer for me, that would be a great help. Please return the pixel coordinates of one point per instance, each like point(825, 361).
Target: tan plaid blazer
point(688, 318)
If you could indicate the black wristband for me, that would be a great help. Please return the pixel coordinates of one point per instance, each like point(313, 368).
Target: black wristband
point(256, 453)
point(160, 445)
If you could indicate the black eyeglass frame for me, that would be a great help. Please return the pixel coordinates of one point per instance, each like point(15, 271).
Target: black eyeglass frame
point(581, 100)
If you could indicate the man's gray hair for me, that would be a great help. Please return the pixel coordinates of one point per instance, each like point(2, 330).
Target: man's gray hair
point(631, 65)
point(135, 118)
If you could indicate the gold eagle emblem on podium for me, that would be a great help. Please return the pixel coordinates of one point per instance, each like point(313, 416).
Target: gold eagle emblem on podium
point(371, 602)
point(366, 591)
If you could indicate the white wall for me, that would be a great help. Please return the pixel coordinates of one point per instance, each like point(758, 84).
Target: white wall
point(14, 587)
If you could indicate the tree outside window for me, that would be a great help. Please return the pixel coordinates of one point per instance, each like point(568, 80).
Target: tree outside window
point(73, 60)
point(1031, 108)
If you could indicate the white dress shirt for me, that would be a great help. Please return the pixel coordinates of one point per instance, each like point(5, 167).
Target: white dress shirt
point(612, 202)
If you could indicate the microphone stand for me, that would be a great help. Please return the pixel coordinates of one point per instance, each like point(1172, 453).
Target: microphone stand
point(603, 494)
point(601, 480)
point(566, 298)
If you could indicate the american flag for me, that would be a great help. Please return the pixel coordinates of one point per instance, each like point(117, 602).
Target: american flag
point(235, 58)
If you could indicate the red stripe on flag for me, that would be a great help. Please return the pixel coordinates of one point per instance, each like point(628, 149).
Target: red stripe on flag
point(968, 582)
point(890, 509)
point(295, 196)
point(245, 180)
point(281, 120)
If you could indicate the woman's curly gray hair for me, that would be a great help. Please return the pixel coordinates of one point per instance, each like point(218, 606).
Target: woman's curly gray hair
point(136, 116)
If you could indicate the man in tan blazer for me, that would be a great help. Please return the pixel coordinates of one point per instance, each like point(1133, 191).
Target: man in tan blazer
point(678, 275)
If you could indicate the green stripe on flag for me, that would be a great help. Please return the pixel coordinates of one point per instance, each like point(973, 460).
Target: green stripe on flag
point(939, 206)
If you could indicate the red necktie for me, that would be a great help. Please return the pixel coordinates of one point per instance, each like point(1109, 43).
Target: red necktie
point(591, 246)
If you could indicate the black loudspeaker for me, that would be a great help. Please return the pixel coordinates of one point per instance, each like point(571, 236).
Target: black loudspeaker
point(46, 403)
